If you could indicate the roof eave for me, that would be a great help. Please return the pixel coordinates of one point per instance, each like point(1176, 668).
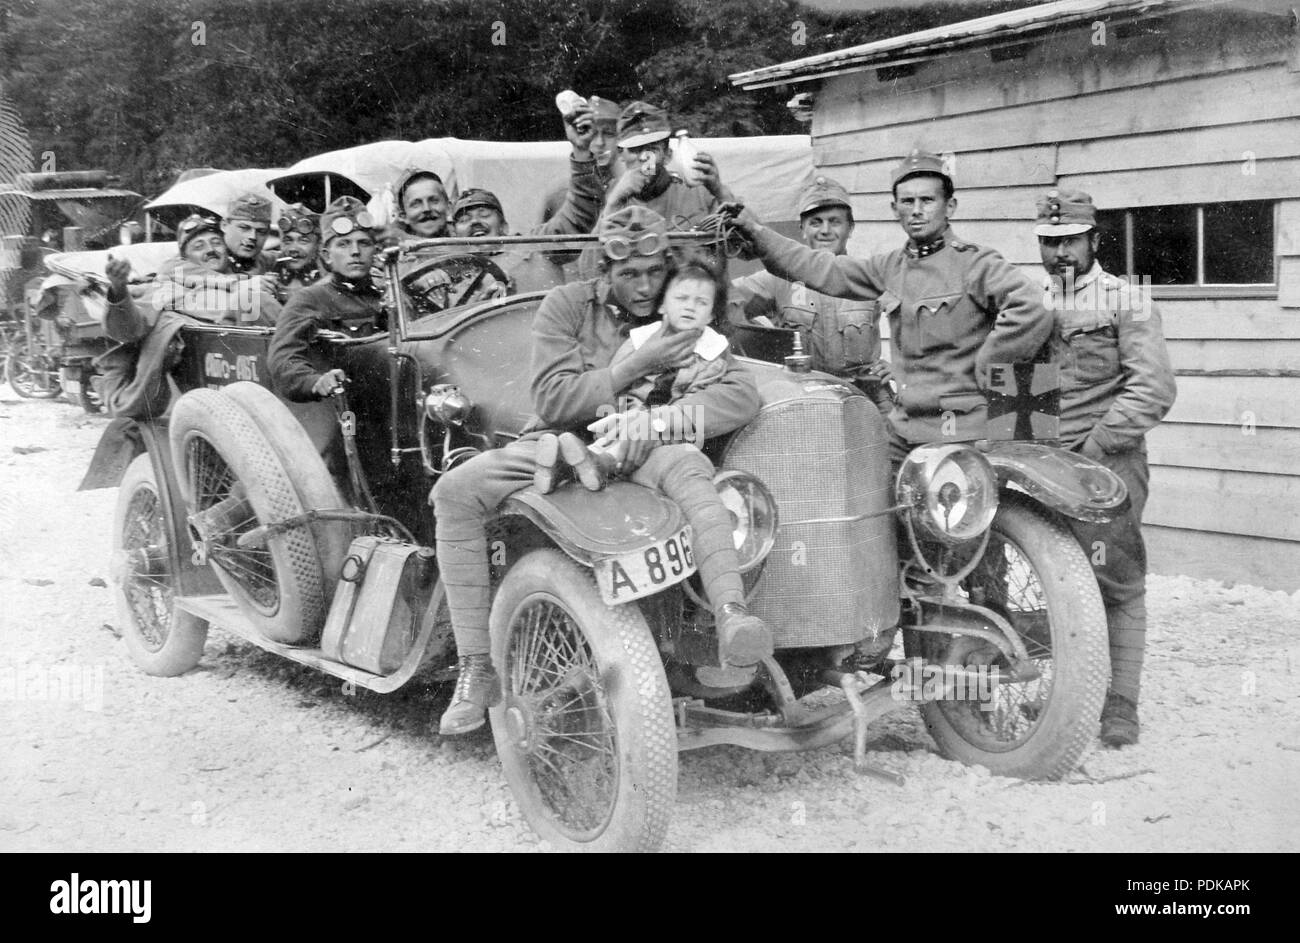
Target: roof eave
point(859, 58)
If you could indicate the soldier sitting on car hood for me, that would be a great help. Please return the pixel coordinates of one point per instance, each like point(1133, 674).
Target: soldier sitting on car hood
point(576, 333)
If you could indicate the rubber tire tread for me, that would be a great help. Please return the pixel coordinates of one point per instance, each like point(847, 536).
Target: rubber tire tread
point(241, 443)
point(1080, 654)
point(183, 647)
point(311, 479)
point(625, 652)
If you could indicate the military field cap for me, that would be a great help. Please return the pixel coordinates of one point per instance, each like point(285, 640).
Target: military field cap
point(1065, 213)
point(604, 111)
point(298, 218)
point(344, 215)
point(823, 191)
point(251, 206)
point(642, 124)
point(193, 225)
point(410, 176)
point(476, 197)
point(920, 162)
point(632, 230)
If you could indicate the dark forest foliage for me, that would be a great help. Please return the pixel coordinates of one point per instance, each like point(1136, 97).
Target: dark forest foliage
point(147, 88)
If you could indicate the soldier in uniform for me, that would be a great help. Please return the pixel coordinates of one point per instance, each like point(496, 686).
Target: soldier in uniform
point(299, 263)
point(1116, 385)
point(842, 336)
point(578, 329)
point(422, 204)
point(644, 152)
point(478, 214)
point(604, 116)
point(954, 307)
point(245, 228)
point(347, 301)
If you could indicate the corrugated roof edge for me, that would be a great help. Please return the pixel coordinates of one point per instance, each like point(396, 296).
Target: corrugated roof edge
point(985, 30)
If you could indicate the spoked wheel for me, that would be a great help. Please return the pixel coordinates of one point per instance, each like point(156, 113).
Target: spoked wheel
point(32, 376)
point(162, 639)
point(233, 481)
point(1036, 576)
point(585, 729)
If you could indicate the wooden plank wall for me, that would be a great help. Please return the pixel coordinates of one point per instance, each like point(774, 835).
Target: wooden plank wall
point(1198, 108)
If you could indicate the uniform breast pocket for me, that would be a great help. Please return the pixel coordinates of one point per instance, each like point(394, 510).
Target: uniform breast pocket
point(937, 319)
point(1095, 355)
point(857, 335)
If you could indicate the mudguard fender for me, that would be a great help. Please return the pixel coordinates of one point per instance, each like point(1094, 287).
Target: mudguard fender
point(592, 525)
point(1067, 482)
point(121, 441)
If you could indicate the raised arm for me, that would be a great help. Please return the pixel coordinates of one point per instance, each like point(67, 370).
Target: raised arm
point(820, 269)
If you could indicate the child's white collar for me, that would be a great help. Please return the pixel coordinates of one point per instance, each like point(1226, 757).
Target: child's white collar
point(710, 345)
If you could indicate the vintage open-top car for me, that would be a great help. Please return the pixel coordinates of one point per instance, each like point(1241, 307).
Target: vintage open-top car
point(232, 516)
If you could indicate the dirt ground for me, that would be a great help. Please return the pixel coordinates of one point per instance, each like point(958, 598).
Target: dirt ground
point(251, 753)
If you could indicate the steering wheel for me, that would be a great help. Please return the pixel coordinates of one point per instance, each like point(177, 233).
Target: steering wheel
point(454, 280)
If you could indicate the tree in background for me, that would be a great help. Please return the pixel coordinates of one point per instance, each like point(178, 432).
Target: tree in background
point(148, 88)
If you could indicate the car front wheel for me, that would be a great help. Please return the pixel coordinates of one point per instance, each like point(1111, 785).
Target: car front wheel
point(585, 728)
point(1036, 576)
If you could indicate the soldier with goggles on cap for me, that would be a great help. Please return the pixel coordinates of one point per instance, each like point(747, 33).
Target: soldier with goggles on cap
point(576, 333)
point(298, 264)
point(1116, 386)
point(197, 284)
point(346, 301)
point(644, 154)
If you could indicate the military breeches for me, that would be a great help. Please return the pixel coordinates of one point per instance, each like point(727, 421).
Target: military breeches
point(1118, 557)
point(465, 499)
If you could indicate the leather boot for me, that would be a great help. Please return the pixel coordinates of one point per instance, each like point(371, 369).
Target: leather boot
point(477, 689)
point(743, 639)
point(1119, 721)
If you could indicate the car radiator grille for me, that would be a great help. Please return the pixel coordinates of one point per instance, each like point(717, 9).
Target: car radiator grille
point(832, 576)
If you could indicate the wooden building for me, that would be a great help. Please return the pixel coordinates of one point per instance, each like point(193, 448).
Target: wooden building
point(1182, 119)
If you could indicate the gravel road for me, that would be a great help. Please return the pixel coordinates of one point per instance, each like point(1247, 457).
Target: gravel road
point(250, 753)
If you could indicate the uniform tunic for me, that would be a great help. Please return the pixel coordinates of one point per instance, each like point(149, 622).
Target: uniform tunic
point(1116, 385)
point(296, 359)
point(952, 313)
point(840, 333)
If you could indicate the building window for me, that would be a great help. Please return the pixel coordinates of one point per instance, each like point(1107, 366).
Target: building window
point(1215, 244)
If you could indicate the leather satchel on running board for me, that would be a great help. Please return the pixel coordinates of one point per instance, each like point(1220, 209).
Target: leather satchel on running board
point(375, 616)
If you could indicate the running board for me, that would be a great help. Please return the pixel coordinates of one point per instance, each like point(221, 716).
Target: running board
point(221, 610)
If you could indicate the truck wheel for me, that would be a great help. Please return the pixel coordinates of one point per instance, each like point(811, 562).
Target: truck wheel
point(31, 376)
point(585, 726)
point(1035, 574)
point(311, 479)
point(232, 480)
point(162, 639)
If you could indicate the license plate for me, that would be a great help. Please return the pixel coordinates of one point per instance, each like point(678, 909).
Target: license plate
point(644, 572)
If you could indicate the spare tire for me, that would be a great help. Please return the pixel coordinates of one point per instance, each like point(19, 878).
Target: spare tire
point(232, 480)
point(302, 460)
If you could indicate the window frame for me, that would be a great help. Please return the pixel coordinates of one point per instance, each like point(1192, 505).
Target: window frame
point(1200, 289)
